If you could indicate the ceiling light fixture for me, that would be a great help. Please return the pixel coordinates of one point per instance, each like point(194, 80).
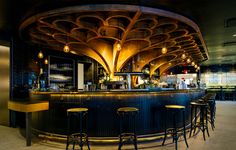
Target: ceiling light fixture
point(198, 68)
point(193, 63)
point(66, 48)
point(40, 55)
point(234, 35)
point(188, 60)
point(164, 50)
point(183, 56)
point(46, 61)
point(118, 46)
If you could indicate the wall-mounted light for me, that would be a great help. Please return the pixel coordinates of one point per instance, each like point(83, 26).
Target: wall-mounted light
point(164, 50)
point(40, 55)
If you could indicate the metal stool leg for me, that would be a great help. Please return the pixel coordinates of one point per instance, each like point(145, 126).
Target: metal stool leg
point(202, 122)
point(185, 139)
point(207, 123)
point(191, 121)
point(175, 134)
point(87, 142)
point(135, 143)
point(195, 120)
point(165, 130)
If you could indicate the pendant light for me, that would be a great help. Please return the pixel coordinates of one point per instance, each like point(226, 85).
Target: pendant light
point(198, 68)
point(66, 48)
point(40, 55)
point(164, 50)
point(183, 56)
point(118, 46)
point(193, 63)
point(46, 61)
point(118, 43)
point(188, 60)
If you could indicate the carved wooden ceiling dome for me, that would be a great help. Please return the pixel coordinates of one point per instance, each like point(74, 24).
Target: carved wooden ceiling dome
point(95, 30)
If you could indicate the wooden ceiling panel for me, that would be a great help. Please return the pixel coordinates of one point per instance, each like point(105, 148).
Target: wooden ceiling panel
point(96, 32)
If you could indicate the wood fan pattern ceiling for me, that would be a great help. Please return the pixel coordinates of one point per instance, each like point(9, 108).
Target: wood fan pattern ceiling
point(95, 31)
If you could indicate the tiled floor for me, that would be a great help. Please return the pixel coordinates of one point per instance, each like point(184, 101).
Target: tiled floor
point(223, 138)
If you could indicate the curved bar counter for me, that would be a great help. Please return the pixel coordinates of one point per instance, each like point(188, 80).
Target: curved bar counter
point(103, 120)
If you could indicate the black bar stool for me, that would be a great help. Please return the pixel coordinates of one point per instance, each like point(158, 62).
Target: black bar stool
point(77, 115)
point(210, 100)
point(175, 130)
point(127, 114)
point(202, 124)
point(212, 111)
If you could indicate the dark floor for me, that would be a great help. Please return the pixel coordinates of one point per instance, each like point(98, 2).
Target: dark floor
point(223, 138)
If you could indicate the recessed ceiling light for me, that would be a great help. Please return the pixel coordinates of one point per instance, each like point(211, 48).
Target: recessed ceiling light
point(234, 35)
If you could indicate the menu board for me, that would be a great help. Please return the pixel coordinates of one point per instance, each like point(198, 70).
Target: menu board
point(61, 73)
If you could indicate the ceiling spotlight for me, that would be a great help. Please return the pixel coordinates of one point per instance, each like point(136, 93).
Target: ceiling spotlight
point(40, 55)
point(198, 68)
point(195, 66)
point(164, 50)
point(66, 48)
point(234, 35)
point(183, 56)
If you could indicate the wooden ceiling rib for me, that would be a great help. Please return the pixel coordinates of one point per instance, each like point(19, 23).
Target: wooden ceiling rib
point(141, 32)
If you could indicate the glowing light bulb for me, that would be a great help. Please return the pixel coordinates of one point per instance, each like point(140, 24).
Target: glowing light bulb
point(40, 55)
point(66, 48)
point(183, 56)
point(164, 50)
point(188, 60)
point(193, 63)
point(118, 46)
point(46, 61)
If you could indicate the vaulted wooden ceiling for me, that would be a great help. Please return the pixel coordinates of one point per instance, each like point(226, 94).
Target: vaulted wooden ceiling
point(216, 20)
point(142, 32)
